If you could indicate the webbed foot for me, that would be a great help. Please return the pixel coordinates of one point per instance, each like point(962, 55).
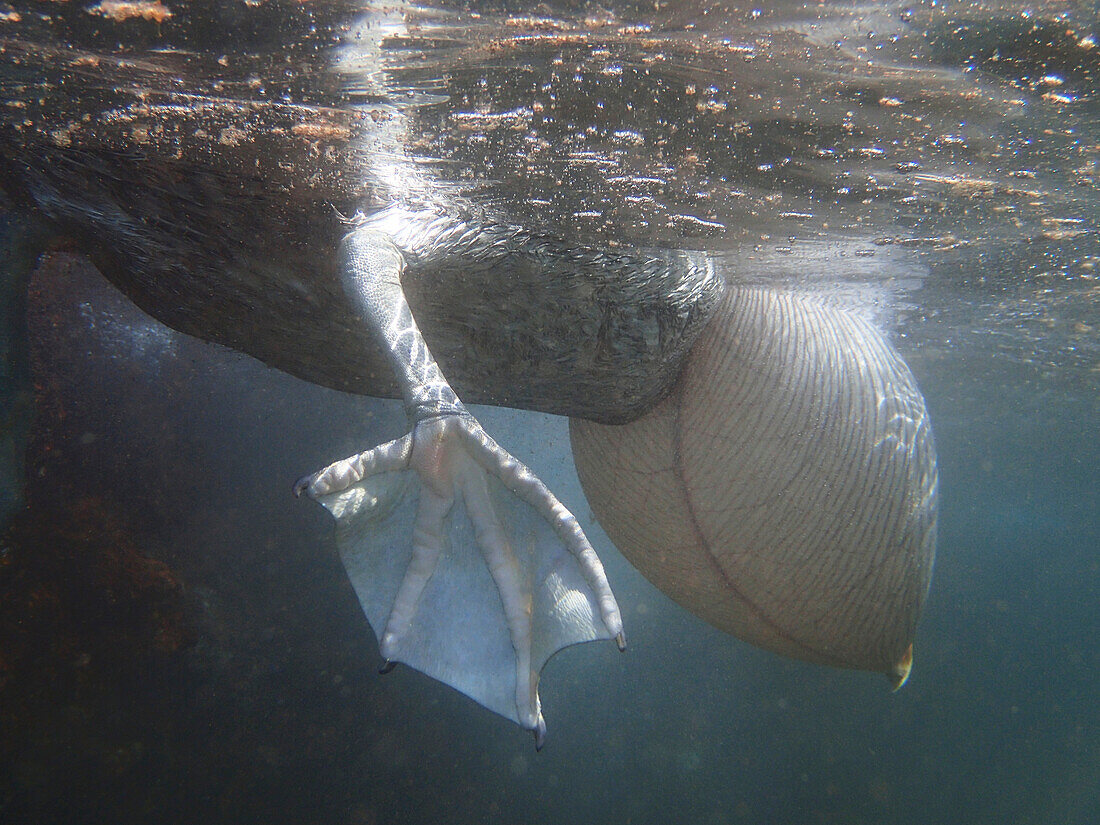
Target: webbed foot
point(498, 575)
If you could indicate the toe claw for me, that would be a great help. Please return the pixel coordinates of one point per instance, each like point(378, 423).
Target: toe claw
point(620, 640)
point(540, 733)
point(387, 666)
point(301, 485)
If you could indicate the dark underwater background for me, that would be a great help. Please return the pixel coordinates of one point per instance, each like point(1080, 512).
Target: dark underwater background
point(185, 646)
point(179, 642)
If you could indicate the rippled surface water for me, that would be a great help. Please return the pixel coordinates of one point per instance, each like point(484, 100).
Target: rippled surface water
point(950, 146)
point(933, 164)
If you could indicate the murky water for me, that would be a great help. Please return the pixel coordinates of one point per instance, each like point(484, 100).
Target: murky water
point(933, 165)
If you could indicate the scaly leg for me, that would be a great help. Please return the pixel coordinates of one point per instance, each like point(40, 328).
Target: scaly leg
point(409, 514)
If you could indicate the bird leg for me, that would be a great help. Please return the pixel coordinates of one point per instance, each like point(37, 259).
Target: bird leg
point(467, 566)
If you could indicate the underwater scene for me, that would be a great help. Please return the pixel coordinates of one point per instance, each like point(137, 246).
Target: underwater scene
point(587, 204)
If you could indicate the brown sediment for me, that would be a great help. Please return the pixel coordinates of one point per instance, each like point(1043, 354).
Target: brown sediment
point(81, 607)
point(120, 10)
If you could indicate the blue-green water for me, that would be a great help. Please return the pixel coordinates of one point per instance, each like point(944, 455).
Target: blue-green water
point(257, 698)
point(275, 713)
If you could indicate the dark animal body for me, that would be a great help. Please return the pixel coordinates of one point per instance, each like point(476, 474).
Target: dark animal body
point(206, 175)
point(203, 153)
